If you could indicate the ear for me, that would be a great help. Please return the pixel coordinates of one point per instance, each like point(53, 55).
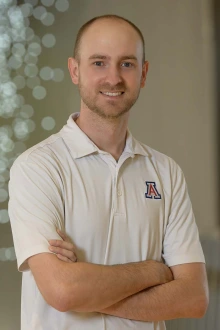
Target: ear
point(144, 73)
point(73, 70)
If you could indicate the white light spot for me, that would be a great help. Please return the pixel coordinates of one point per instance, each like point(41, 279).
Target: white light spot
point(19, 82)
point(6, 130)
point(48, 40)
point(31, 70)
point(29, 34)
point(5, 42)
point(6, 175)
point(5, 3)
point(2, 254)
point(10, 254)
point(18, 34)
point(32, 2)
point(47, 3)
point(39, 92)
point(62, 5)
point(31, 125)
point(3, 195)
point(20, 128)
point(19, 100)
point(58, 75)
point(2, 184)
point(30, 59)
point(3, 165)
point(48, 19)
point(4, 217)
point(36, 39)
point(46, 73)
point(33, 82)
point(15, 62)
point(4, 75)
point(6, 144)
point(26, 9)
point(8, 89)
point(15, 17)
point(27, 111)
point(39, 12)
point(34, 49)
point(48, 123)
point(18, 49)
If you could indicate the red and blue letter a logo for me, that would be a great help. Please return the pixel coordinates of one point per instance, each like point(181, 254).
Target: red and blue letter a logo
point(152, 192)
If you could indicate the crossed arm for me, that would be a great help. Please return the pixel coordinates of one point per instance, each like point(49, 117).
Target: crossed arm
point(145, 291)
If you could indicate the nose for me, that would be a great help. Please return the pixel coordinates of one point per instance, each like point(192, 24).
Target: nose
point(113, 76)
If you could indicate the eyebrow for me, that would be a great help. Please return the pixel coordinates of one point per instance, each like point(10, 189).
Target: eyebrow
point(104, 57)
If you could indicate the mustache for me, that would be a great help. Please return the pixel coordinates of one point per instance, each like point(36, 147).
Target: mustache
point(110, 88)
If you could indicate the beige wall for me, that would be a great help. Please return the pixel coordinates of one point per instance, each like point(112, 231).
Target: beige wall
point(175, 114)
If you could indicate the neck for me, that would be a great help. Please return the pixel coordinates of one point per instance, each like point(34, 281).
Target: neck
point(108, 135)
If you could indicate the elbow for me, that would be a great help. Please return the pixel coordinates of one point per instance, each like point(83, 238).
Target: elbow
point(200, 307)
point(203, 306)
point(58, 298)
point(67, 300)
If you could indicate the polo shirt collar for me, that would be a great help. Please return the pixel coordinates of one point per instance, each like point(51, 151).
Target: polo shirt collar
point(80, 144)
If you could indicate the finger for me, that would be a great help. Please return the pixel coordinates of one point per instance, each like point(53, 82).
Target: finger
point(62, 244)
point(65, 245)
point(64, 258)
point(65, 253)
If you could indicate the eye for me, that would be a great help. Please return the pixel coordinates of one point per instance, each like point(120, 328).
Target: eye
point(98, 63)
point(128, 64)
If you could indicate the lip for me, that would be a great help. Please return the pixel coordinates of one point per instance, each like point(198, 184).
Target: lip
point(112, 97)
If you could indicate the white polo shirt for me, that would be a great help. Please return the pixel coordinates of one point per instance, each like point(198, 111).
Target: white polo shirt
point(115, 212)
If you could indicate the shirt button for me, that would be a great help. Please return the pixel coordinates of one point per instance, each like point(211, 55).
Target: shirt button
point(119, 193)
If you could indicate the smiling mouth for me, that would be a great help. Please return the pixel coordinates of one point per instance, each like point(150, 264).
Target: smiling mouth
point(112, 94)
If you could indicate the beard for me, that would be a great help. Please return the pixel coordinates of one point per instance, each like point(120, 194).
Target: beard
point(107, 108)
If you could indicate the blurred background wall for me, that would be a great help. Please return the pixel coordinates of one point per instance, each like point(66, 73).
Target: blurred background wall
point(176, 112)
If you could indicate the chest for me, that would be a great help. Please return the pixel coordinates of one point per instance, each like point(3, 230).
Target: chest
point(115, 214)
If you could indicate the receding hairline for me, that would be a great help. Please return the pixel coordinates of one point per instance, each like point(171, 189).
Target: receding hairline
point(87, 25)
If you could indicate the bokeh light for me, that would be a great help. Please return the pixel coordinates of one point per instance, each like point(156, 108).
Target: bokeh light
point(3, 195)
point(48, 40)
point(47, 3)
point(4, 218)
point(48, 123)
point(62, 5)
point(48, 19)
point(46, 73)
point(58, 75)
point(39, 92)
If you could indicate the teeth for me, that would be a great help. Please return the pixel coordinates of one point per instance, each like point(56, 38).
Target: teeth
point(112, 94)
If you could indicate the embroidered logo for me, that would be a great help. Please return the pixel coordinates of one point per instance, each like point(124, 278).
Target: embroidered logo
point(152, 191)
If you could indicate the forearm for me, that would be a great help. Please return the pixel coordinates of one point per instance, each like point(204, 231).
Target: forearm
point(91, 287)
point(179, 298)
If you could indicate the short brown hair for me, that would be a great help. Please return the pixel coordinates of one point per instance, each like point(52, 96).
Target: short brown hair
point(83, 29)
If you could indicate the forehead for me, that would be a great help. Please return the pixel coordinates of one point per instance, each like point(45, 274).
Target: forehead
point(111, 37)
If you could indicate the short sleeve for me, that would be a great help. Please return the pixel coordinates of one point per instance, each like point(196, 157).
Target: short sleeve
point(35, 209)
point(181, 242)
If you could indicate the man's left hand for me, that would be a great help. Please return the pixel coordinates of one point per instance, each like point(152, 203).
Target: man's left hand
point(64, 249)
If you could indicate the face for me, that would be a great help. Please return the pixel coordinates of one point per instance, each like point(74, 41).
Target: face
point(110, 62)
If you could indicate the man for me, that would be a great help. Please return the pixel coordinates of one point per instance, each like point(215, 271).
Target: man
point(124, 206)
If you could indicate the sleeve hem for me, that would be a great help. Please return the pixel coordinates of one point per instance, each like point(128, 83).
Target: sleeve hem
point(183, 259)
point(22, 263)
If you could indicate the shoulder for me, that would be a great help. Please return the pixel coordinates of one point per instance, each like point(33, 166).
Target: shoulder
point(42, 159)
point(160, 160)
